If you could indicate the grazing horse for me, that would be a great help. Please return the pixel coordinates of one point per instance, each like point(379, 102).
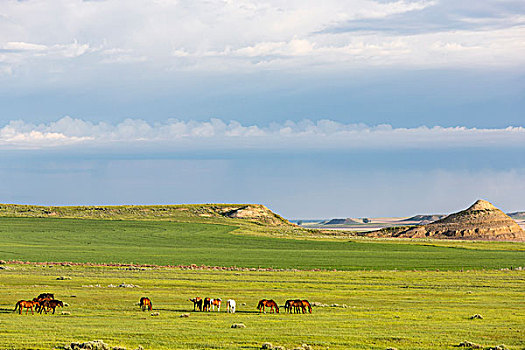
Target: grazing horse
point(298, 306)
point(306, 304)
point(216, 302)
point(263, 303)
point(50, 304)
point(230, 306)
point(197, 302)
point(288, 305)
point(206, 304)
point(145, 303)
point(27, 304)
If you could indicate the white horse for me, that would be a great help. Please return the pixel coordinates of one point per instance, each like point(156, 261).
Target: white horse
point(230, 306)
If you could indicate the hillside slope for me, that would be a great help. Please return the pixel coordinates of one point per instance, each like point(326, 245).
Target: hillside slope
point(212, 213)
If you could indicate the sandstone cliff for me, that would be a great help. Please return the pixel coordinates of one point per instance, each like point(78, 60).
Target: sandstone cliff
point(481, 221)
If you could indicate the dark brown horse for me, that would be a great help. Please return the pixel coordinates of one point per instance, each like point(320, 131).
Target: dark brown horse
point(46, 296)
point(146, 303)
point(40, 302)
point(264, 303)
point(47, 305)
point(197, 303)
point(288, 305)
point(207, 304)
point(27, 304)
point(298, 306)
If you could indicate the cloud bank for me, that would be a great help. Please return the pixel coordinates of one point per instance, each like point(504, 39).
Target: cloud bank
point(218, 134)
point(56, 37)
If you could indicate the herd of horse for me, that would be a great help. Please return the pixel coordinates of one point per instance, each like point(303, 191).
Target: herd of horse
point(44, 302)
point(290, 306)
point(47, 302)
point(209, 304)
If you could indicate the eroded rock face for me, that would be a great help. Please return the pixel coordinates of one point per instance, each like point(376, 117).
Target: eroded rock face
point(255, 212)
point(481, 221)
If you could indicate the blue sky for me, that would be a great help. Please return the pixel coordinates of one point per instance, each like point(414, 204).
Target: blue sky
point(317, 109)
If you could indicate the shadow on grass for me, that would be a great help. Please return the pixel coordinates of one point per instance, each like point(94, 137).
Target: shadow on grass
point(5, 311)
point(205, 312)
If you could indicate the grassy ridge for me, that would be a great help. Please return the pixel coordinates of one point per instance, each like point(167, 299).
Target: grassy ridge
point(176, 243)
point(205, 213)
point(403, 309)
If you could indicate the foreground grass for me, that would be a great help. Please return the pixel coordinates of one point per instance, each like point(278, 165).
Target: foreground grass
point(179, 243)
point(403, 309)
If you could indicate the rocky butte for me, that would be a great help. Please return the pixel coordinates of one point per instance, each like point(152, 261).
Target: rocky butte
point(481, 221)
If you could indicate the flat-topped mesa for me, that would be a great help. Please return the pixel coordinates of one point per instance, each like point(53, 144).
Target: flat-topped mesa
point(481, 221)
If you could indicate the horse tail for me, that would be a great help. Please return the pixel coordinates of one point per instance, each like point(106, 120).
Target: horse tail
point(150, 306)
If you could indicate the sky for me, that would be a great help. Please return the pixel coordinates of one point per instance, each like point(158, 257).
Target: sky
point(317, 109)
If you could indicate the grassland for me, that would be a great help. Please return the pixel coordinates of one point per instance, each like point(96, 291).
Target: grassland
point(180, 243)
point(402, 309)
point(407, 294)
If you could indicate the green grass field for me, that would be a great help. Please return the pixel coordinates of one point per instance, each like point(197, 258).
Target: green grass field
point(401, 309)
point(406, 294)
point(179, 243)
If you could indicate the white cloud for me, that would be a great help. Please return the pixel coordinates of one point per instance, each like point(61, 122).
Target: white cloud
point(218, 134)
point(240, 35)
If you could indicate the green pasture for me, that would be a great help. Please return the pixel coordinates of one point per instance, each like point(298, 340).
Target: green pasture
point(180, 243)
point(401, 309)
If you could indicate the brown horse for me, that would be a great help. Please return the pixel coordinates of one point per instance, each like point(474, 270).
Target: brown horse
point(40, 302)
point(146, 303)
point(306, 305)
point(47, 305)
point(216, 302)
point(264, 303)
point(27, 304)
point(197, 303)
point(288, 305)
